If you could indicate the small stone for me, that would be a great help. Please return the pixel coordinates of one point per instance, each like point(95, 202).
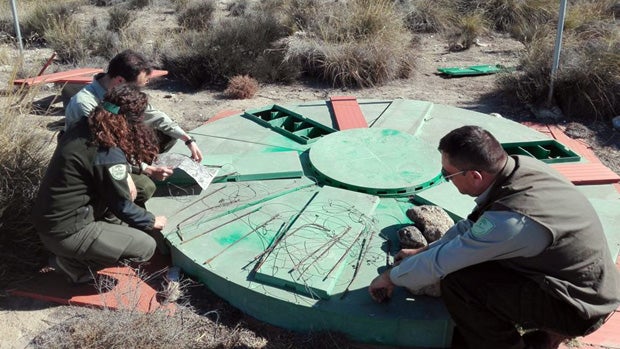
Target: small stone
point(411, 237)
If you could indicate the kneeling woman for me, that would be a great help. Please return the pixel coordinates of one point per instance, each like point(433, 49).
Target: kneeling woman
point(88, 176)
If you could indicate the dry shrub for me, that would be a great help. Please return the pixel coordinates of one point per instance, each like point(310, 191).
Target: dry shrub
point(587, 85)
point(360, 43)
point(429, 16)
point(521, 18)
point(180, 5)
point(197, 16)
point(24, 154)
point(120, 19)
point(139, 4)
point(237, 8)
point(469, 27)
point(235, 46)
point(43, 15)
point(66, 38)
point(241, 87)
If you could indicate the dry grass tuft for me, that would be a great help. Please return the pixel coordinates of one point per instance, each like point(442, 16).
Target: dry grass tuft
point(197, 16)
point(65, 37)
point(429, 16)
point(468, 28)
point(235, 46)
point(360, 43)
point(587, 85)
point(241, 87)
point(24, 154)
point(120, 19)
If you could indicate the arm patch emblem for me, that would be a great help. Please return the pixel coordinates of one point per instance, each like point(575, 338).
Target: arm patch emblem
point(482, 227)
point(118, 172)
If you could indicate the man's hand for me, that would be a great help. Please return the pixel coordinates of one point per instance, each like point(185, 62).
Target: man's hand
point(381, 287)
point(407, 252)
point(158, 173)
point(160, 222)
point(196, 153)
point(133, 191)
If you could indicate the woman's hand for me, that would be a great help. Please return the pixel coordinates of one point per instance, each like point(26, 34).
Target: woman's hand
point(160, 222)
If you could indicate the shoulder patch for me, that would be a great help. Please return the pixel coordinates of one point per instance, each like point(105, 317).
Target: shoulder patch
point(482, 227)
point(118, 172)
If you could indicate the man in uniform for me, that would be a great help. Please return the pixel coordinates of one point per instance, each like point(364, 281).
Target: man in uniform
point(132, 67)
point(532, 252)
point(84, 180)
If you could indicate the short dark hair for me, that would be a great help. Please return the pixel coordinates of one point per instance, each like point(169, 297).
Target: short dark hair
point(473, 148)
point(128, 65)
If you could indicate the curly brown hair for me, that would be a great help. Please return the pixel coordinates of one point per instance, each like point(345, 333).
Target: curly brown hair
point(123, 127)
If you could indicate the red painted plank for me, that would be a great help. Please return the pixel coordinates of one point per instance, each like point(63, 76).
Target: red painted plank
point(55, 77)
point(74, 76)
point(88, 78)
point(347, 113)
point(128, 290)
point(224, 114)
point(587, 173)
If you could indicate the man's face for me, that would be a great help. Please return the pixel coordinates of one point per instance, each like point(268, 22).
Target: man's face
point(142, 79)
point(459, 177)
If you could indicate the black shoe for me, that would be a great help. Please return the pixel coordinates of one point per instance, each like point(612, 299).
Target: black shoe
point(541, 339)
point(72, 275)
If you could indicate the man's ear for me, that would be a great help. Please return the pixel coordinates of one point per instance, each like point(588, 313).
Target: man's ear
point(476, 175)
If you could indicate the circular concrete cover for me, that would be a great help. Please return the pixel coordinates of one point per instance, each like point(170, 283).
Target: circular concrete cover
point(377, 161)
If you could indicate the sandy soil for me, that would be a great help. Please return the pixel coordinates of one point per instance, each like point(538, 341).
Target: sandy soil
point(22, 318)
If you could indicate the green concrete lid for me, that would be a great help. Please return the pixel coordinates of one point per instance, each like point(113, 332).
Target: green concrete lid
point(377, 161)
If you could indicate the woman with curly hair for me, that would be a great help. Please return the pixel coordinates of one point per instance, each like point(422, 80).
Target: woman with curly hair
point(88, 176)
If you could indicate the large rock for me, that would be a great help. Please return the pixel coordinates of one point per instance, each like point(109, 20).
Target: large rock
point(432, 221)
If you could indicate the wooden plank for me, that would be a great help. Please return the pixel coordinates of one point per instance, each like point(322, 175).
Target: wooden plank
point(88, 78)
point(224, 114)
point(347, 113)
point(74, 76)
point(587, 173)
point(57, 77)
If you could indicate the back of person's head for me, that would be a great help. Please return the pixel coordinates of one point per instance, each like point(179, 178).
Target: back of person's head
point(473, 148)
point(128, 65)
point(129, 99)
point(116, 122)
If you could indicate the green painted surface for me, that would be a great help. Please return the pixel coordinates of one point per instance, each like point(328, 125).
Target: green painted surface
point(219, 235)
point(372, 161)
point(310, 256)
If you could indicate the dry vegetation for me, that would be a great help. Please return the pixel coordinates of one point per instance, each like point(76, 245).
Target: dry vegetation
point(239, 44)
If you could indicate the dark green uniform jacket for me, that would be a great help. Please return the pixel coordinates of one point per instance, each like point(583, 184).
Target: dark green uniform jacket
point(81, 183)
point(577, 267)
